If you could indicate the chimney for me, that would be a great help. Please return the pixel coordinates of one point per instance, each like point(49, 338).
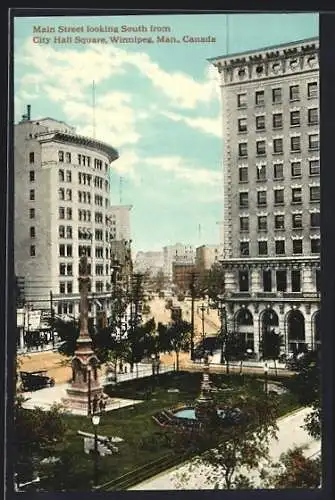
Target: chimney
point(28, 111)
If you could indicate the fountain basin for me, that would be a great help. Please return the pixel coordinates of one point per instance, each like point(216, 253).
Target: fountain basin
point(189, 413)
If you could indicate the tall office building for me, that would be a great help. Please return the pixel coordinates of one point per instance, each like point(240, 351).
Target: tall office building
point(61, 211)
point(270, 107)
point(120, 221)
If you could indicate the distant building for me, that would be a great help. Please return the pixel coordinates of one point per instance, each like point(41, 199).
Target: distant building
point(206, 256)
point(177, 253)
point(182, 275)
point(150, 262)
point(119, 222)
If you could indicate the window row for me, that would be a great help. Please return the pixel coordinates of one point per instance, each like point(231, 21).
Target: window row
point(83, 160)
point(278, 197)
point(278, 145)
point(278, 280)
point(67, 269)
point(261, 96)
point(83, 215)
point(277, 120)
point(278, 171)
point(62, 175)
point(67, 287)
point(66, 251)
point(279, 222)
point(297, 247)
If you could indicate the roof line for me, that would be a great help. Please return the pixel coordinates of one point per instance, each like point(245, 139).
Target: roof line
point(260, 49)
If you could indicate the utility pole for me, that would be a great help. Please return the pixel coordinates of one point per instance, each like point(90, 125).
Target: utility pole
point(52, 312)
point(192, 290)
point(203, 308)
point(223, 329)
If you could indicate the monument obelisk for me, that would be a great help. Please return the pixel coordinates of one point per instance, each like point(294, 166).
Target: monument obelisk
point(85, 391)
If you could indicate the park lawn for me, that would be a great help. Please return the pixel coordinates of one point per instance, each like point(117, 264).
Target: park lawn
point(143, 441)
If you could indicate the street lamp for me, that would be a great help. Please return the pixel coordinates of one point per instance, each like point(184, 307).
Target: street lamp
point(223, 325)
point(95, 422)
point(89, 370)
point(266, 369)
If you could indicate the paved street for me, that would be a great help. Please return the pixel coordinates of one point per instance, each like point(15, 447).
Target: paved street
point(290, 434)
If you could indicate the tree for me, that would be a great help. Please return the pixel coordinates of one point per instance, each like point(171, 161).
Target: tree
point(175, 337)
point(270, 345)
point(294, 470)
point(238, 449)
point(306, 385)
point(36, 435)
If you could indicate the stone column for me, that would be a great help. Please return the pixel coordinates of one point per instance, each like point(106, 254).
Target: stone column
point(308, 279)
point(281, 326)
point(308, 325)
point(230, 280)
point(255, 280)
point(289, 279)
point(256, 334)
point(21, 333)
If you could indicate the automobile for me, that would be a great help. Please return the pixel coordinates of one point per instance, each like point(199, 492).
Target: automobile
point(32, 381)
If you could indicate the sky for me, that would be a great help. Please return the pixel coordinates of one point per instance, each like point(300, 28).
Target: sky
point(158, 104)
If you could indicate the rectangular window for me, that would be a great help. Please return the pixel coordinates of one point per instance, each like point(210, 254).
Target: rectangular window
point(69, 213)
point(267, 280)
point(296, 169)
point(243, 174)
point(276, 95)
point(32, 232)
point(314, 167)
point(61, 287)
point(295, 143)
point(69, 269)
point(260, 122)
point(68, 157)
point(294, 93)
point(315, 245)
point(262, 223)
point(31, 213)
point(314, 193)
point(31, 176)
point(281, 280)
point(61, 212)
point(296, 280)
point(61, 195)
point(294, 118)
point(261, 172)
point(69, 195)
point(69, 287)
point(277, 145)
point(244, 248)
point(315, 219)
point(61, 175)
point(242, 125)
point(243, 149)
point(261, 198)
point(243, 281)
point(61, 156)
point(244, 200)
point(297, 246)
point(242, 100)
point(68, 176)
point(32, 195)
point(312, 89)
point(278, 171)
point(317, 280)
point(277, 120)
point(69, 232)
point(280, 247)
point(262, 248)
point(313, 141)
point(62, 268)
point(244, 223)
point(313, 116)
point(296, 195)
point(259, 98)
point(260, 147)
point(297, 221)
point(279, 221)
point(62, 250)
point(32, 251)
point(31, 157)
point(279, 196)
point(69, 250)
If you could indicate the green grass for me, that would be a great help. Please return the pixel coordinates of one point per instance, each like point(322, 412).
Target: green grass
point(143, 439)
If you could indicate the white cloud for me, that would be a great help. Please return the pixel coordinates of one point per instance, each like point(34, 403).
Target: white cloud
point(211, 126)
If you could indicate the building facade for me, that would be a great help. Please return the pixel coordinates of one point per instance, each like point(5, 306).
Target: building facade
point(61, 211)
point(270, 106)
point(119, 216)
point(183, 254)
point(206, 256)
point(151, 262)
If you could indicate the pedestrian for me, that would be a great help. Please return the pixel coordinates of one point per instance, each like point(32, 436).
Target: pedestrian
point(125, 369)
